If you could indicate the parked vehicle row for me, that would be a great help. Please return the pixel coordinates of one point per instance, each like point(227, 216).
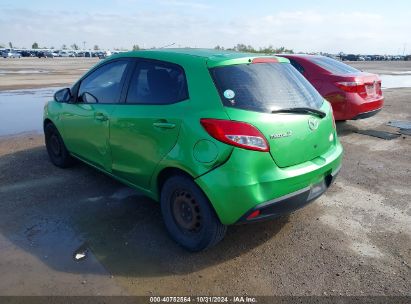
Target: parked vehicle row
point(9, 53)
point(352, 57)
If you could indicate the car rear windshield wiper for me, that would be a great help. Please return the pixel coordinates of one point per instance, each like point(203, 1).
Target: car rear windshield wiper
point(301, 110)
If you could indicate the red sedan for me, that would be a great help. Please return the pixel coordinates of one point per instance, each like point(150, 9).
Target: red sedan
point(353, 94)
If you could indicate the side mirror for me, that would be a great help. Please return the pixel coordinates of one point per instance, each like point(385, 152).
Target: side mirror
point(88, 98)
point(63, 95)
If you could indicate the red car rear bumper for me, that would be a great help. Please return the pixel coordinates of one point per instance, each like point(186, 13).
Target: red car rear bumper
point(358, 108)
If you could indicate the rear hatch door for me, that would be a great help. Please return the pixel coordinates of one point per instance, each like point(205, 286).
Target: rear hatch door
point(252, 92)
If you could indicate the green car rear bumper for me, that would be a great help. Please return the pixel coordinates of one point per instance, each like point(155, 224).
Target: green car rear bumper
point(290, 202)
point(251, 181)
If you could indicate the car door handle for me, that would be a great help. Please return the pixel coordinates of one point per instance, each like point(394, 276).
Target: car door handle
point(100, 116)
point(164, 125)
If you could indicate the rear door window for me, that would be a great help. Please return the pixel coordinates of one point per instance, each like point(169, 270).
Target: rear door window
point(157, 83)
point(334, 66)
point(264, 87)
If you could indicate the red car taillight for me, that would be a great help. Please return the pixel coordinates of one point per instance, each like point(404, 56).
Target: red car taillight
point(333, 118)
point(352, 87)
point(235, 133)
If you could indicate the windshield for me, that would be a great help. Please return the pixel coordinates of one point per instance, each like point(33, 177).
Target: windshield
point(264, 87)
point(334, 66)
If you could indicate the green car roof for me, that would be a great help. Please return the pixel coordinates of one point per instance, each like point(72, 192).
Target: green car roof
point(212, 57)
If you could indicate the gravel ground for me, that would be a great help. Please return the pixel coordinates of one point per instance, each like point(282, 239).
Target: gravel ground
point(354, 240)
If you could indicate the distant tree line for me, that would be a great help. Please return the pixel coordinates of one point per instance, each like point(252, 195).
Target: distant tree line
point(243, 48)
point(249, 49)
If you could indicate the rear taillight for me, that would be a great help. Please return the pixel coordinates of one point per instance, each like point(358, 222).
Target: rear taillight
point(352, 87)
point(235, 133)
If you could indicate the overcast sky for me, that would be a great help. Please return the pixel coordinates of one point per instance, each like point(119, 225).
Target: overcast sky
point(361, 26)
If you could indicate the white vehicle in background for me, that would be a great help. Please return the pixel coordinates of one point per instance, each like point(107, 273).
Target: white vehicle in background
point(64, 54)
point(10, 54)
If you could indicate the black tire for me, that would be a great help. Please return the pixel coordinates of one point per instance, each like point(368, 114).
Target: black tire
point(188, 215)
point(56, 149)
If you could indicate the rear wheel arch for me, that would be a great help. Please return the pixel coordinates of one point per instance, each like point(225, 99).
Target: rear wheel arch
point(46, 122)
point(168, 172)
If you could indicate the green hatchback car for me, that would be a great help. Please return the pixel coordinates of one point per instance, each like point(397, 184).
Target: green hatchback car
point(218, 138)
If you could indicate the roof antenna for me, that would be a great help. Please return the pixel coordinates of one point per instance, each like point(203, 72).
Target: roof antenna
point(167, 45)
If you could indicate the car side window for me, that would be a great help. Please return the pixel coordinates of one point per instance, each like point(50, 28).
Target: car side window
point(298, 66)
point(104, 84)
point(157, 83)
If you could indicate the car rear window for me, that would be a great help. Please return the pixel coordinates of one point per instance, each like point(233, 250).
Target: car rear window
point(334, 66)
point(264, 87)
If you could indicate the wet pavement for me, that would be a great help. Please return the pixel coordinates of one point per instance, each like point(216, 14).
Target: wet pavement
point(395, 81)
point(40, 235)
point(351, 241)
point(22, 110)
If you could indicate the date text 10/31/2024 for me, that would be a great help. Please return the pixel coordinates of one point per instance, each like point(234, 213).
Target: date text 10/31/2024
point(203, 299)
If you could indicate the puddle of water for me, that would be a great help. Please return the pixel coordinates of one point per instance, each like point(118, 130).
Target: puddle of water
point(395, 81)
point(22, 110)
point(401, 73)
point(4, 72)
point(58, 245)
